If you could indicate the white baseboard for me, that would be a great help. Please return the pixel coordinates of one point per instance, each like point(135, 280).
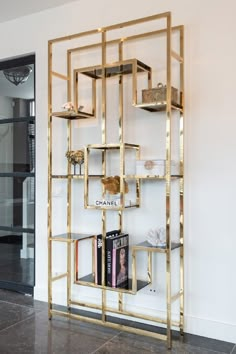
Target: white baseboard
point(40, 294)
point(210, 329)
point(193, 325)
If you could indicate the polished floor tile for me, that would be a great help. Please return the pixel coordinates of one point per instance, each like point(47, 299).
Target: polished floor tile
point(25, 329)
point(234, 350)
point(39, 335)
point(132, 344)
point(208, 343)
point(20, 299)
point(12, 314)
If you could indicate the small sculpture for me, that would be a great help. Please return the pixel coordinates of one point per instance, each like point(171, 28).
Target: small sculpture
point(157, 237)
point(112, 184)
point(75, 158)
point(68, 106)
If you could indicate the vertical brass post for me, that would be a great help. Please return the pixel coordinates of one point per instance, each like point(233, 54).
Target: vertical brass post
point(104, 138)
point(69, 185)
point(103, 87)
point(149, 267)
point(134, 76)
point(168, 179)
point(49, 204)
point(121, 103)
point(182, 182)
point(138, 184)
point(134, 278)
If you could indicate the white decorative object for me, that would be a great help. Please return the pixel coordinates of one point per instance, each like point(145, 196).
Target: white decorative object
point(157, 237)
point(155, 168)
point(68, 106)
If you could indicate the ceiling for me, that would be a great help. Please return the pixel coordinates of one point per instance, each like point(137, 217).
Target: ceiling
point(12, 9)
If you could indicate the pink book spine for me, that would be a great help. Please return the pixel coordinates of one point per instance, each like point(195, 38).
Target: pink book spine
point(95, 261)
point(114, 268)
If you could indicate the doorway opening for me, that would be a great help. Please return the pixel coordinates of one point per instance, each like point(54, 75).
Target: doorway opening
point(17, 174)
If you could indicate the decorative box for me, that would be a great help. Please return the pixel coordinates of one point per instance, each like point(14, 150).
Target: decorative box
point(155, 168)
point(158, 94)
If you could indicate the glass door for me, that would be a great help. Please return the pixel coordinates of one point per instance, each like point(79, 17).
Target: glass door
point(17, 174)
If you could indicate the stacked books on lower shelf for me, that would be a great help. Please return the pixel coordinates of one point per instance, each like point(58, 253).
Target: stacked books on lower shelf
point(116, 259)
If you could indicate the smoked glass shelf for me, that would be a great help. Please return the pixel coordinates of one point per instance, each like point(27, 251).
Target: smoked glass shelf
point(158, 107)
point(112, 207)
point(123, 67)
point(71, 237)
point(72, 115)
point(156, 177)
point(112, 146)
point(146, 246)
point(72, 176)
point(89, 280)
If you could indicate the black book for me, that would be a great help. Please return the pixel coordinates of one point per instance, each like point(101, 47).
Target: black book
point(98, 255)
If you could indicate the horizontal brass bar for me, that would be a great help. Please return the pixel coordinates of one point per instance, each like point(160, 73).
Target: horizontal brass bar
point(63, 77)
point(109, 28)
point(73, 36)
point(112, 146)
point(136, 315)
point(110, 324)
point(57, 277)
point(111, 207)
point(86, 304)
point(161, 178)
point(68, 176)
point(150, 249)
point(177, 295)
point(137, 21)
point(75, 176)
point(125, 39)
point(141, 316)
point(126, 313)
point(92, 285)
point(176, 56)
point(61, 239)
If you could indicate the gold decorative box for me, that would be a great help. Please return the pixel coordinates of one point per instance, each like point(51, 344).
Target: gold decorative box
point(158, 94)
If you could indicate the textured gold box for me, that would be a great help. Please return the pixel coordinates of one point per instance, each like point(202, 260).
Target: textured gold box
point(158, 95)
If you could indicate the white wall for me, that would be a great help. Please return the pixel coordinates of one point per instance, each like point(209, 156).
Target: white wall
point(210, 52)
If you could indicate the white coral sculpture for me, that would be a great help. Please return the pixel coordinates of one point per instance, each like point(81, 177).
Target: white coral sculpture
point(157, 237)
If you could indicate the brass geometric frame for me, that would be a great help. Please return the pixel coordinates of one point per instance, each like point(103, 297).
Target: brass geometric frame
point(72, 239)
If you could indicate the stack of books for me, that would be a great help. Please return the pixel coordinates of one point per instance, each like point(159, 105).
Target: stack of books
point(116, 259)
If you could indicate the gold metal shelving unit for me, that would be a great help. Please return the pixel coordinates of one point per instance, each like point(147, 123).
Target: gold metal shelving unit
point(102, 72)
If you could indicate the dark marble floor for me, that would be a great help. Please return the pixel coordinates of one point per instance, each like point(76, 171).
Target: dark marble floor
point(25, 329)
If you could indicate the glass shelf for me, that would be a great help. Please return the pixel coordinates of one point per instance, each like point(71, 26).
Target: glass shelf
point(112, 208)
point(158, 107)
point(113, 146)
point(72, 115)
point(123, 67)
point(71, 237)
point(89, 280)
point(162, 178)
point(70, 176)
point(146, 246)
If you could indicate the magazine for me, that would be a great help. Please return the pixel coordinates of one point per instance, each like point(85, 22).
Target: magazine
point(117, 250)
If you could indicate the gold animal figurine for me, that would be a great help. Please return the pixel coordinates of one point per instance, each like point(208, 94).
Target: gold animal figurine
point(75, 158)
point(112, 184)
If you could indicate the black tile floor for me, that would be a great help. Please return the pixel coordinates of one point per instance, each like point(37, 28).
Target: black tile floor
point(25, 329)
